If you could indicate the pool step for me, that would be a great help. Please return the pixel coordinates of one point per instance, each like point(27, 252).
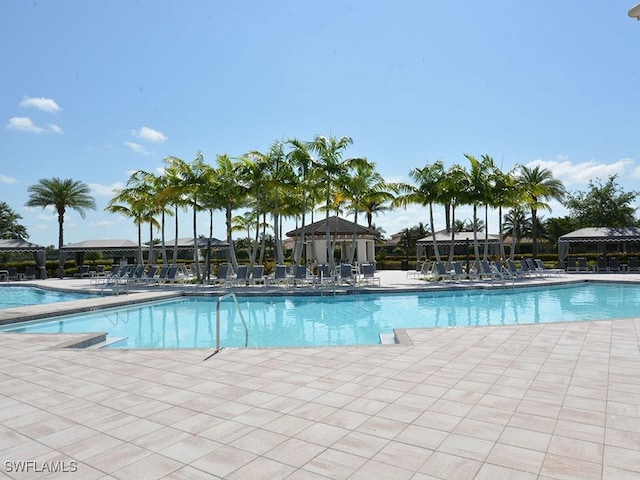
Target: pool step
point(387, 339)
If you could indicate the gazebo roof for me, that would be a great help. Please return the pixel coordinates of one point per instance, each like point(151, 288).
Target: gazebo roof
point(337, 226)
point(186, 243)
point(19, 245)
point(443, 236)
point(103, 245)
point(602, 234)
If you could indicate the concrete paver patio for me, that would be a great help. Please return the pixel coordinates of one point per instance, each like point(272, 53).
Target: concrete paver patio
point(548, 401)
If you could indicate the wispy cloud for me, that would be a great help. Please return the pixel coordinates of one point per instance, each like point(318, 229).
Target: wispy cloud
point(136, 147)
point(25, 124)
point(7, 180)
point(100, 190)
point(571, 173)
point(149, 135)
point(44, 104)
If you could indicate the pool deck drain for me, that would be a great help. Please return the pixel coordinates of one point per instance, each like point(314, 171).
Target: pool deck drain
point(547, 401)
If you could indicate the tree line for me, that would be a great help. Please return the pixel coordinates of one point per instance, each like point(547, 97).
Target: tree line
point(296, 179)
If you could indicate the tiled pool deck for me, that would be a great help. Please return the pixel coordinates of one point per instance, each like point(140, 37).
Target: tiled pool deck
point(552, 401)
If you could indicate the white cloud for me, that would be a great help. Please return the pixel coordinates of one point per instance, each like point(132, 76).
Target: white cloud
point(6, 179)
point(571, 173)
point(102, 223)
point(136, 147)
point(44, 104)
point(100, 190)
point(149, 135)
point(24, 124)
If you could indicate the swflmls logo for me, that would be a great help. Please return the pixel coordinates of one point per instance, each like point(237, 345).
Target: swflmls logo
point(41, 467)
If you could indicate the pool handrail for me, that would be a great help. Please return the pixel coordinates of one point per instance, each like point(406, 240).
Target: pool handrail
point(246, 330)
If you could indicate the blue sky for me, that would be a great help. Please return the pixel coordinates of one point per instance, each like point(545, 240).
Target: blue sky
point(95, 90)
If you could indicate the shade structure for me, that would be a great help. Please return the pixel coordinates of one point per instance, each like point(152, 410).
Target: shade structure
point(22, 245)
point(186, 243)
point(443, 237)
point(114, 246)
point(634, 12)
point(341, 233)
point(103, 245)
point(596, 235)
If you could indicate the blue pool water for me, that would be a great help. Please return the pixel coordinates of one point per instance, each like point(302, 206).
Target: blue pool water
point(340, 320)
point(20, 296)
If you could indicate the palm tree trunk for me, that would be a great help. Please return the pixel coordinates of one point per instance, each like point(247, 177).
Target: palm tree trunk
point(433, 233)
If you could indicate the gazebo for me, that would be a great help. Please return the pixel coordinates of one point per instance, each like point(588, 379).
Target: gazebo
point(341, 233)
point(598, 235)
point(443, 239)
point(115, 246)
point(21, 245)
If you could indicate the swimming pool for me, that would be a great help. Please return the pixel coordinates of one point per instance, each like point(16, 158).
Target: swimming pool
point(11, 297)
point(340, 320)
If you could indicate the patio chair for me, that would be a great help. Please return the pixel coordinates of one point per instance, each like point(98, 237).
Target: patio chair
point(490, 272)
point(280, 276)
point(224, 277)
point(442, 273)
point(582, 264)
point(242, 276)
point(514, 270)
point(548, 271)
point(30, 273)
point(12, 273)
point(459, 273)
point(572, 264)
point(633, 266)
point(301, 276)
point(602, 265)
point(613, 265)
point(368, 274)
point(82, 272)
point(257, 275)
point(347, 274)
point(323, 275)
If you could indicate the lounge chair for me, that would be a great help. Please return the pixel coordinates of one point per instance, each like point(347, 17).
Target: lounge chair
point(323, 275)
point(572, 264)
point(12, 273)
point(30, 273)
point(280, 276)
point(548, 271)
point(613, 265)
point(242, 276)
point(224, 277)
point(582, 265)
point(368, 274)
point(301, 276)
point(514, 271)
point(602, 265)
point(347, 274)
point(490, 272)
point(442, 273)
point(459, 273)
point(633, 266)
point(82, 272)
point(257, 275)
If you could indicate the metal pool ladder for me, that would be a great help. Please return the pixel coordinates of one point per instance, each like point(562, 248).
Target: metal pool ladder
point(246, 330)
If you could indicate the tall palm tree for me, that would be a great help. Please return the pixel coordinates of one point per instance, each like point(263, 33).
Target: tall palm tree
point(477, 193)
point(516, 224)
point(61, 194)
point(452, 191)
point(424, 191)
point(538, 186)
point(363, 183)
point(329, 168)
point(233, 194)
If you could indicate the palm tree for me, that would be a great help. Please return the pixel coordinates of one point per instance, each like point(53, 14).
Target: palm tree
point(363, 184)
point(329, 169)
point(478, 191)
point(232, 193)
point(452, 191)
point(538, 186)
point(425, 191)
point(516, 224)
point(60, 194)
